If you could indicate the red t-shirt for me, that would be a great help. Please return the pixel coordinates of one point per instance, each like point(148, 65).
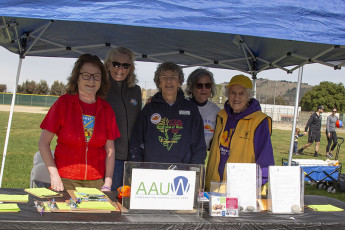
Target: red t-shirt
point(74, 157)
point(88, 109)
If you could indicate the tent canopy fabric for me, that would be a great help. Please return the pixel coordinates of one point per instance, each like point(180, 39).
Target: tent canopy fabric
point(249, 36)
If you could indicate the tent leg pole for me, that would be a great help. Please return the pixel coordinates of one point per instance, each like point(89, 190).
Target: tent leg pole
point(300, 74)
point(254, 88)
point(10, 120)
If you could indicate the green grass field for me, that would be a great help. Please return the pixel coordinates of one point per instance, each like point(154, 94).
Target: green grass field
point(25, 132)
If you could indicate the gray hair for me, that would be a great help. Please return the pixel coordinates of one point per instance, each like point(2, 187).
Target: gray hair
point(194, 77)
point(165, 67)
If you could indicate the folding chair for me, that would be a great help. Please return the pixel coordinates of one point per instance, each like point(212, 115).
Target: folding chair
point(39, 173)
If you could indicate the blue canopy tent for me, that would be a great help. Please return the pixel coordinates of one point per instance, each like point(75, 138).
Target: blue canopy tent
point(249, 36)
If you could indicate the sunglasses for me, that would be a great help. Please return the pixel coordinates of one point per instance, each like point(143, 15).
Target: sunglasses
point(334, 111)
point(201, 85)
point(118, 65)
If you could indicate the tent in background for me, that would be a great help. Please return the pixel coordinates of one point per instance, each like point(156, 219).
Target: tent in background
point(249, 36)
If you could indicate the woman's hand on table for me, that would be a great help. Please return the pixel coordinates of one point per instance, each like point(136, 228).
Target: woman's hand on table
point(106, 188)
point(56, 184)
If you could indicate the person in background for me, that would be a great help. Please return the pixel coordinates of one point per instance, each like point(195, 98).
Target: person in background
point(169, 128)
point(314, 134)
point(86, 129)
point(201, 87)
point(124, 97)
point(295, 144)
point(242, 135)
point(331, 133)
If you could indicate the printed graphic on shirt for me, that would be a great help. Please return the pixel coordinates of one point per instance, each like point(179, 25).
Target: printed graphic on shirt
point(133, 101)
point(170, 130)
point(209, 127)
point(225, 142)
point(89, 123)
point(155, 118)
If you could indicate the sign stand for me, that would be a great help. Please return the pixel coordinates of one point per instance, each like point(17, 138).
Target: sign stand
point(163, 188)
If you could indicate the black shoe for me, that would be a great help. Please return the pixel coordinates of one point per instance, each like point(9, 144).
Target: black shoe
point(300, 151)
point(315, 154)
point(330, 155)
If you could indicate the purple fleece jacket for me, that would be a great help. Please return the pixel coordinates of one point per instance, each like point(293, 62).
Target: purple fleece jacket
point(262, 139)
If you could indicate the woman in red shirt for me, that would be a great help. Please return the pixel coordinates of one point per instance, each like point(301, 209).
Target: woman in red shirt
point(86, 129)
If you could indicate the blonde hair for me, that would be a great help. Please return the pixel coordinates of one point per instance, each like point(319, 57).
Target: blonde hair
point(131, 77)
point(297, 130)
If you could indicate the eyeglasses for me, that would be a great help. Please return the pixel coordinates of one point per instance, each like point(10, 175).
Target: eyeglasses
point(118, 65)
point(201, 85)
point(334, 111)
point(171, 78)
point(87, 76)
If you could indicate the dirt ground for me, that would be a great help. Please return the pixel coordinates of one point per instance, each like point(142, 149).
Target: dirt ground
point(25, 109)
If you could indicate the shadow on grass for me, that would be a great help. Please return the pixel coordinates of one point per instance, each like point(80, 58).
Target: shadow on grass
point(313, 190)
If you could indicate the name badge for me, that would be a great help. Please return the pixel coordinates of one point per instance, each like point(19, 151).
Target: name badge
point(184, 112)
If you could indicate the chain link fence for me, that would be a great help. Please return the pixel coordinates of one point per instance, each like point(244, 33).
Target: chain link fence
point(279, 114)
point(283, 115)
point(28, 99)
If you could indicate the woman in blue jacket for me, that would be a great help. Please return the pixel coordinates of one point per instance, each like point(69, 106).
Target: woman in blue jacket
point(170, 128)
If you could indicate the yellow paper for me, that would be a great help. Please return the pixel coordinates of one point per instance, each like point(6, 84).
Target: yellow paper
point(325, 208)
point(40, 192)
point(63, 206)
point(14, 198)
point(90, 191)
point(96, 205)
point(9, 208)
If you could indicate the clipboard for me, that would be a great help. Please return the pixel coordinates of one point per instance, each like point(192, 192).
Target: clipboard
point(42, 192)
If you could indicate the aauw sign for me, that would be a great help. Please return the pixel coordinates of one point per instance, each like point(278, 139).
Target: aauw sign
point(162, 189)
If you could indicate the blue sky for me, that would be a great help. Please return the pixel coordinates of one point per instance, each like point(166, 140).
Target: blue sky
point(51, 69)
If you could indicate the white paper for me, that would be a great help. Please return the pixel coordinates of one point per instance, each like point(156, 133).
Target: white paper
point(241, 183)
point(285, 188)
point(162, 189)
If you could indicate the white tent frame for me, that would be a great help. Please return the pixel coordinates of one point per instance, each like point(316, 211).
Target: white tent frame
point(248, 56)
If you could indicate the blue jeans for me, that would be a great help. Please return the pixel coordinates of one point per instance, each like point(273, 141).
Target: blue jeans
point(118, 175)
point(295, 148)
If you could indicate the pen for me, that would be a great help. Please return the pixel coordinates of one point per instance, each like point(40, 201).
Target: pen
point(88, 199)
point(41, 213)
point(86, 194)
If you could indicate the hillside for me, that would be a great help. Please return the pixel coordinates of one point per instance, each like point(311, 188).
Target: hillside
point(268, 91)
point(284, 92)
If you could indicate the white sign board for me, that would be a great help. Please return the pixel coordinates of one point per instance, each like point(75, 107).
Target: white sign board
point(285, 188)
point(162, 189)
point(241, 183)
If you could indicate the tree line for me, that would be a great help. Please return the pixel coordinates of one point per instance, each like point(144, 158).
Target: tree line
point(327, 93)
point(41, 88)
